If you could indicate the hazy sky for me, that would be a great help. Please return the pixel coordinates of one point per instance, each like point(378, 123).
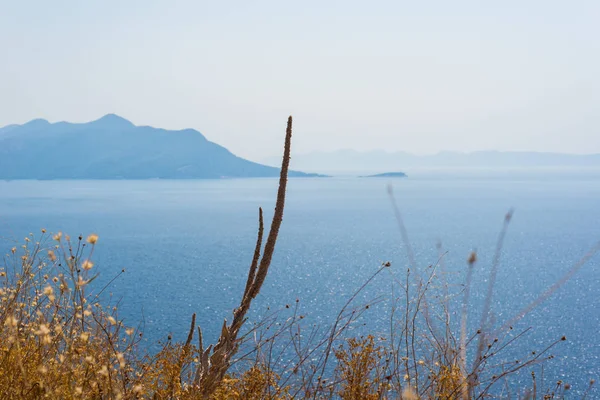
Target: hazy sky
point(419, 76)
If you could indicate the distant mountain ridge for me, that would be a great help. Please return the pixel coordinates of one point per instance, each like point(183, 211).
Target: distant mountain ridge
point(377, 161)
point(387, 175)
point(114, 148)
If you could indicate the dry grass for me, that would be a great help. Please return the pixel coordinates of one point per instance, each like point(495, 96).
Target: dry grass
point(58, 341)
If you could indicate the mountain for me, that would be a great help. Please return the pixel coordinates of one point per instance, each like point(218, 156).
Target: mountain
point(378, 161)
point(114, 148)
point(387, 175)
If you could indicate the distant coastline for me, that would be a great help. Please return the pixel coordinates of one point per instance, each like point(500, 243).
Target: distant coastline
point(387, 175)
point(352, 162)
point(113, 148)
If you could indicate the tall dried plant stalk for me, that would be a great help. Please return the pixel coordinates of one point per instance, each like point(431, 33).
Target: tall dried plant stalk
point(213, 367)
point(486, 317)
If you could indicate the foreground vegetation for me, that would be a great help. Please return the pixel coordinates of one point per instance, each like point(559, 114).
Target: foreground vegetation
point(61, 339)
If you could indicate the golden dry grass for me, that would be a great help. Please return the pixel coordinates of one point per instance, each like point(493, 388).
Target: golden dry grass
point(58, 341)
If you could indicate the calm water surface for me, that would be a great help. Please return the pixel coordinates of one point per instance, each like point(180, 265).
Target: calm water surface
point(186, 247)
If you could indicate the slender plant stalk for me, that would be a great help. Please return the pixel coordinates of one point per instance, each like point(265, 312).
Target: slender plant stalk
point(485, 323)
point(550, 291)
point(463, 323)
point(212, 369)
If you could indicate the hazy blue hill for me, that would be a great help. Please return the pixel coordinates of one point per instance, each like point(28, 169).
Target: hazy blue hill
point(387, 175)
point(112, 147)
point(371, 161)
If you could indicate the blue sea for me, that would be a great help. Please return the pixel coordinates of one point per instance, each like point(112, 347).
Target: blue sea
point(186, 247)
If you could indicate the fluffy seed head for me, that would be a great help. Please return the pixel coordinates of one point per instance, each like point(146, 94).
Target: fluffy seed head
point(92, 239)
point(87, 265)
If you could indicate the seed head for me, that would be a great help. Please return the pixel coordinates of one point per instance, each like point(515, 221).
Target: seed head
point(43, 330)
point(87, 265)
point(409, 394)
point(472, 258)
point(11, 321)
point(81, 282)
point(92, 239)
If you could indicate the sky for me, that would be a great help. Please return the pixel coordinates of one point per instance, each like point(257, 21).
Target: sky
point(416, 76)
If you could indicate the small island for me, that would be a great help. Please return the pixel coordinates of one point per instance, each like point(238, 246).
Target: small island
point(387, 175)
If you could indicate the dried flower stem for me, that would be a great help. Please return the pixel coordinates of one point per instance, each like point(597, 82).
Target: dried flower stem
point(211, 370)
